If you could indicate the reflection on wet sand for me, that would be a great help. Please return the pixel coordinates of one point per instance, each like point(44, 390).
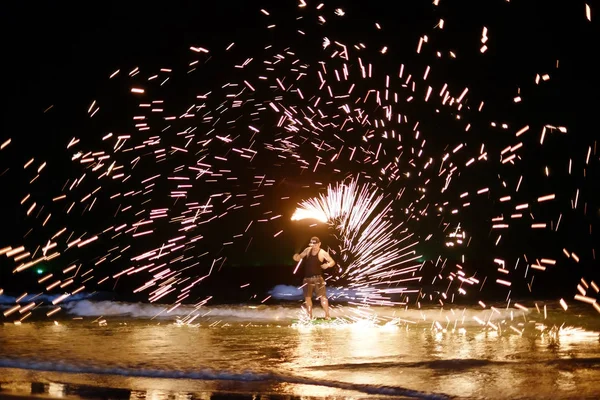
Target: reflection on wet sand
point(154, 361)
point(71, 391)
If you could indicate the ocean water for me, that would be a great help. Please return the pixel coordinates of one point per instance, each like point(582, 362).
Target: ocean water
point(108, 349)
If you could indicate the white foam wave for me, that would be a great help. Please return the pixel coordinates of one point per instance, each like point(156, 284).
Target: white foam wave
point(463, 315)
point(440, 318)
point(86, 308)
point(209, 374)
point(288, 292)
point(8, 300)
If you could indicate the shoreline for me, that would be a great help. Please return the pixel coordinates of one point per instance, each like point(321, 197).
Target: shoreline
point(23, 384)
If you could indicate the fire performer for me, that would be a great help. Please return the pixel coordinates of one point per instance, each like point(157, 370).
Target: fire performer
point(315, 261)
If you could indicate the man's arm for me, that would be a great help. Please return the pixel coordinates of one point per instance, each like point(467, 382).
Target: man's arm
point(328, 260)
point(298, 257)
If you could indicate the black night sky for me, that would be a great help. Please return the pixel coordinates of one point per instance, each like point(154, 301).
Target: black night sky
point(57, 58)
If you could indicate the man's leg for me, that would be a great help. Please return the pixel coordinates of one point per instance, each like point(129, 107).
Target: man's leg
point(325, 305)
point(308, 293)
point(322, 294)
point(309, 306)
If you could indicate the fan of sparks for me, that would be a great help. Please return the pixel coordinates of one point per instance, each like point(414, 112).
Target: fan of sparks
point(378, 254)
point(170, 195)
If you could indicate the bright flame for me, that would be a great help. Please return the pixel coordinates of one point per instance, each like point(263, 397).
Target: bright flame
point(305, 213)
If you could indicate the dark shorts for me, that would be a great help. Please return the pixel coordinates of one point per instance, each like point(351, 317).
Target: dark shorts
point(314, 284)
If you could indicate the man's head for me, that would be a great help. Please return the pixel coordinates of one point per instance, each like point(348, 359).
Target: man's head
point(314, 242)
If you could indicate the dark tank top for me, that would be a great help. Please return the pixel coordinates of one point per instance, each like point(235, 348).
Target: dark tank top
point(312, 265)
